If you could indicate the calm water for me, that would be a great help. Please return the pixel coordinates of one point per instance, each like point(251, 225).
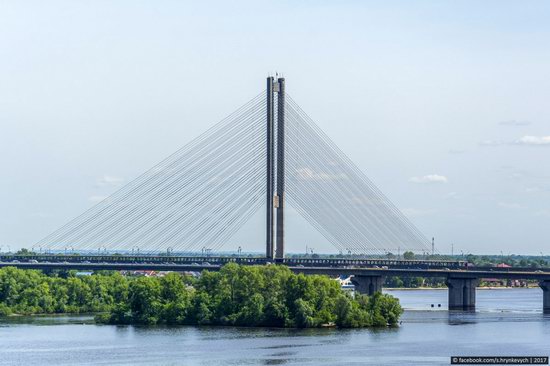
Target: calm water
point(508, 322)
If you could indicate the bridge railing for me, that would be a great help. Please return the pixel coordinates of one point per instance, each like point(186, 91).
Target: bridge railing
point(249, 260)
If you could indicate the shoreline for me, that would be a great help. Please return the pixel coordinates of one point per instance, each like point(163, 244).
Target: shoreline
point(445, 288)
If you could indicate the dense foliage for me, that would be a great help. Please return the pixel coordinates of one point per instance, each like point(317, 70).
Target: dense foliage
point(511, 260)
point(237, 295)
point(32, 292)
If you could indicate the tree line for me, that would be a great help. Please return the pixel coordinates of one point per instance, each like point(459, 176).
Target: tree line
point(267, 296)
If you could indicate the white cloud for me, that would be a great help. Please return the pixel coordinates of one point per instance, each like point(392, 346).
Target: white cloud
point(109, 180)
point(492, 143)
point(430, 178)
point(96, 199)
point(513, 206)
point(536, 189)
point(413, 212)
point(514, 122)
point(309, 174)
point(534, 141)
point(524, 141)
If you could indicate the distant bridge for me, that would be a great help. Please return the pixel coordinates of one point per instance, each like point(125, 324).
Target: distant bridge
point(368, 274)
point(267, 152)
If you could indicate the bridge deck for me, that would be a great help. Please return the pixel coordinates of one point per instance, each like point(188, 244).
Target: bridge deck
point(247, 260)
point(472, 272)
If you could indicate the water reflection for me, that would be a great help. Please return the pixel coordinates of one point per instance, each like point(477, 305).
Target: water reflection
point(457, 318)
point(275, 361)
point(46, 320)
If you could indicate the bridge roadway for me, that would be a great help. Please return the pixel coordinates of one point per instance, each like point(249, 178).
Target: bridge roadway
point(246, 260)
point(460, 282)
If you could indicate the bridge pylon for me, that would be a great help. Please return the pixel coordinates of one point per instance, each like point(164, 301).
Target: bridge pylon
point(270, 250)
point(275, 148)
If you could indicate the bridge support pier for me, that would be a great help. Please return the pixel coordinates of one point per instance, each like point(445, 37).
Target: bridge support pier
point(545, 286)
point(368, 285)
point(462, 293)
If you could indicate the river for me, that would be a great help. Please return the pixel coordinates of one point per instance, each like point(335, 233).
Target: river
point(508, 322)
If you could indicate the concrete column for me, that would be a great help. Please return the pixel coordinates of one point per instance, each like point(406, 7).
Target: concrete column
point(368, 285)
point(269, 235)
point(280, 205)
point(462, 293)
point(545, 286)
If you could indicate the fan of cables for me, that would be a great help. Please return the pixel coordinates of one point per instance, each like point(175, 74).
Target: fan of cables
point(336, 198)
point(197, 197)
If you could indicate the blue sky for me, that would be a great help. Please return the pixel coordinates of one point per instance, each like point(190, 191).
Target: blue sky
point(444, 105)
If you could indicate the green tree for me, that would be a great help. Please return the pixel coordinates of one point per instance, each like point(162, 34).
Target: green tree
point(303, 314)
point(24, 251)
point(144, 298)
point(176, 299)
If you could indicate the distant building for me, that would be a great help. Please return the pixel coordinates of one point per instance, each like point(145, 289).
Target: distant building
point(144, 273)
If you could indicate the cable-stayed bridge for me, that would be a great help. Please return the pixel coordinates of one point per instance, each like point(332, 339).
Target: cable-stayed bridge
point(265, 154)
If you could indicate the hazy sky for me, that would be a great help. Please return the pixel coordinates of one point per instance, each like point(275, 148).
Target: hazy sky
point(444, 104)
